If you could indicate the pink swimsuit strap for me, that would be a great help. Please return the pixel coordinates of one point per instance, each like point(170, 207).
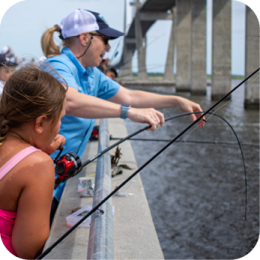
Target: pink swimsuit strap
point(15, 160)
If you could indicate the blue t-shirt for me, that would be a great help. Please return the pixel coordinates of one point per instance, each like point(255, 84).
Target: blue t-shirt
point(89, 81)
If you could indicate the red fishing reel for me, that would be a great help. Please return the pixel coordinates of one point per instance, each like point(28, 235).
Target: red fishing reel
point(67, 166)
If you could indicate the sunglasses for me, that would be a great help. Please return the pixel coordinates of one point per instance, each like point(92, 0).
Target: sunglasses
point(104, 37)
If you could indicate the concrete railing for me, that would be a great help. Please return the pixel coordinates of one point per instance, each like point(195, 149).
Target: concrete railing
point(129, 233)
point(101, 230)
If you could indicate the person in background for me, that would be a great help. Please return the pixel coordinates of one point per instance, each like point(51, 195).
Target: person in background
point(31, 108)
point(112, 74)
point(9, 54)
point(6, 70)
point(91, 94)
point(104, 63)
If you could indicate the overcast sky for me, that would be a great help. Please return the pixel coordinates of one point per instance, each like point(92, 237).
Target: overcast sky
point(24, 22)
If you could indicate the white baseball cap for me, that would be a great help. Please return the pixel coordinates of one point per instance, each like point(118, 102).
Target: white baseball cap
point(80, 21)
point(5, 49)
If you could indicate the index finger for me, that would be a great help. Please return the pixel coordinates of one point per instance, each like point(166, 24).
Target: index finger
point(195, 116)
point(161, 116)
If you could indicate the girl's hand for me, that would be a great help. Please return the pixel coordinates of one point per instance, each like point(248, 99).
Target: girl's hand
point(58, 140)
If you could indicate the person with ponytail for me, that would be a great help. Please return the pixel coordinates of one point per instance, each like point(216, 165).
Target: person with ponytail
point(91, 94)
point(31, 108)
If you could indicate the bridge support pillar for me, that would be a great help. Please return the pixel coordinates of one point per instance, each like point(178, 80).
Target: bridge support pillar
point(140, 45)
point(168, 73)
point(198, 47)
point(221, 49)
point(183, 77)
point(252, 60)
point(126, 68)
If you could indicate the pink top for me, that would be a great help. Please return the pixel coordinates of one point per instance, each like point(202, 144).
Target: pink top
point(7, 218)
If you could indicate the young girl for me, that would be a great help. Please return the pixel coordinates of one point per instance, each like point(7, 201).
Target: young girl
point(31, 107)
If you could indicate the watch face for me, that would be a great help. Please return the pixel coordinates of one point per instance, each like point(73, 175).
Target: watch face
point(125, 105)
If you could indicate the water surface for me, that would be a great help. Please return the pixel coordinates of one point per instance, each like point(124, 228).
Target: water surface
point(196, 192)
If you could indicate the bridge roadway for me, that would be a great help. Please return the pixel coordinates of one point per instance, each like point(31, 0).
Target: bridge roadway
point(151, 11)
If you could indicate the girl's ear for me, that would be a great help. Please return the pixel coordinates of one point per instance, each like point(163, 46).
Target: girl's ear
point(39, 124)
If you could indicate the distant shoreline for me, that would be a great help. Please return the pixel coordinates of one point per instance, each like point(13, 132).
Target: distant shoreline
point(155, 75)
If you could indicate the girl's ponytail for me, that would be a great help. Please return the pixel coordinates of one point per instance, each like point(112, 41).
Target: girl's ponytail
point(4, 127)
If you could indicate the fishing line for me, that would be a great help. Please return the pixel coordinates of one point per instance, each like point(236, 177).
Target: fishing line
point(48, 250)
point(174, 146)
point(131, 135)
point(238, 141)
point(183, 141)
point(241, 151)
point(170, 118)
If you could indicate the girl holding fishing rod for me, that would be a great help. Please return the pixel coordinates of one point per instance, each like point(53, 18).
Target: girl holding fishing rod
point(85, 35)
point(31, 107)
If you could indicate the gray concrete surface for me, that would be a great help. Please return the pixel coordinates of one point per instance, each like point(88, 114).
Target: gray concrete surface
point(168, 73)
point(183, 18)
point(135, 236)
point(252, 59)
point(221, 49)
point(198, 47)
point(126, 69)
point(140, 47)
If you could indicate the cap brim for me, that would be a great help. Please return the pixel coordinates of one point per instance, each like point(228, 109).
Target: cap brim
point(112, 33)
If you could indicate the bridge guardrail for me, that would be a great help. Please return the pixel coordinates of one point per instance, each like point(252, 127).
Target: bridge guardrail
point(100, 244)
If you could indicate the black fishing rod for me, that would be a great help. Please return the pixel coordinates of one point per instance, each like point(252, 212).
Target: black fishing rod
point(183, 141)
point(48, 250)
point(69, 165)
point(66, 170)
point(234, 132)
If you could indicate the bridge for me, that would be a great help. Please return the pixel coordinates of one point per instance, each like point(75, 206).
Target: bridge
point(188, 37)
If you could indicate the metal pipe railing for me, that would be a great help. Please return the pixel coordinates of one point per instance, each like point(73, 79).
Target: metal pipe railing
point(100, 244)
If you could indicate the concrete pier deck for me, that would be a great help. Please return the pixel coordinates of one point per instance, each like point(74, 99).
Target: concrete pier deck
point(134, 232)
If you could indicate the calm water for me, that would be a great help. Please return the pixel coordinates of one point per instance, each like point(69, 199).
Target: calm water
point(196, 192)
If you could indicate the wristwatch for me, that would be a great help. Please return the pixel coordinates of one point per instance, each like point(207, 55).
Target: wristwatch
point(124, 108)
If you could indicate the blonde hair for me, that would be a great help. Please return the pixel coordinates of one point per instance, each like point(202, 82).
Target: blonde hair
point(49, 48)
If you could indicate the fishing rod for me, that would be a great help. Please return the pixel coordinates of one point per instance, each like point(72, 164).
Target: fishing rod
point(69, 165)
point(48, 250)
point(238, 142)
point(183, 141)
